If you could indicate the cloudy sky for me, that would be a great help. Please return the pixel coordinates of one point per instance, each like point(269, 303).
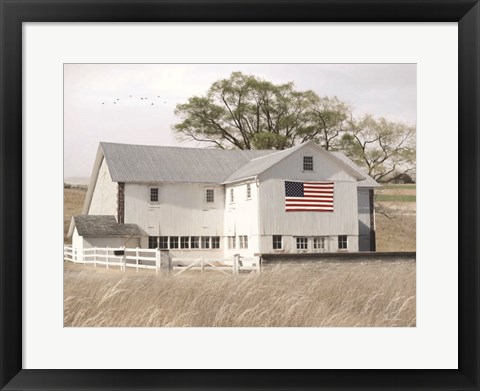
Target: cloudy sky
point(103, 102)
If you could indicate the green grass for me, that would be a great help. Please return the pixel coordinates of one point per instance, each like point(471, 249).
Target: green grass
point(412, 186)
point(396, 198)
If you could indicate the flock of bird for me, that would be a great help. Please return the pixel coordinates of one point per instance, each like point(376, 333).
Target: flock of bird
point(117, 100)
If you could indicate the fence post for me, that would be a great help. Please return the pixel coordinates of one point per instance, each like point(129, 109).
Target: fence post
point(83, 256)
point(124, 260)
point(94, 257)
point(165, 263)
point(136, 257)
point(107, 257)
point(236, 261)
point(157, 261)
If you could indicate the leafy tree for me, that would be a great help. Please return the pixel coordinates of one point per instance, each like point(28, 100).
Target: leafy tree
point(386, 149)
point(247, 112)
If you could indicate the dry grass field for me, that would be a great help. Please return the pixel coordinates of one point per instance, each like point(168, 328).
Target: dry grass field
point(315, 295)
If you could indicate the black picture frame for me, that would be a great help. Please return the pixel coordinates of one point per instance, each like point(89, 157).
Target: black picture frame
point(15, 12)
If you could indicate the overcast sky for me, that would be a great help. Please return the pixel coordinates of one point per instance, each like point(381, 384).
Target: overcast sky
point(91, 116)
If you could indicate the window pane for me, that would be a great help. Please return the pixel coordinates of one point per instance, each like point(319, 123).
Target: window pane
point(215, 241)
point(194, 242)
point(154, 194)
point(277, 242)
point(232, 196)
point(209, 195)
point(173, 241)
point(184, 242)
point(152, 242)
point(308, 163)
point(342, 242)
point(205, 242)
point(302, 243)
point(249, 191)
point(163, 244)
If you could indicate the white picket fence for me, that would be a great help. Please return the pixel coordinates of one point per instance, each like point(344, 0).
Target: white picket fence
point(140, 258)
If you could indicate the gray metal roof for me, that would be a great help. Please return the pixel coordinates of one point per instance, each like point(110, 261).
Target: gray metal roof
point(368, 181)
point(142, 163)
point(150, 164)
point(260, 164)
point(91, 225)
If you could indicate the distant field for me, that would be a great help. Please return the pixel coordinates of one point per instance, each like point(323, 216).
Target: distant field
point(412, 186)
point(396, 198)
point(368, 294)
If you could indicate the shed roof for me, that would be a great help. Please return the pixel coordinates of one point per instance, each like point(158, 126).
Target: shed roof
point(92, 225)
point(146, 163)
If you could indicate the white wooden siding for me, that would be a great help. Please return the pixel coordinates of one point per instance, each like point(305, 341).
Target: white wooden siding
point(181, 209)
point(275, 221)
point(104, 199)
point(241, 217)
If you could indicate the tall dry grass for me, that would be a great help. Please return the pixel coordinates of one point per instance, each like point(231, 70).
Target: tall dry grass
point(322, 294)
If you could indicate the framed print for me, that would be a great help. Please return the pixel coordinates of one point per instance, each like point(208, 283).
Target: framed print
point(41, 43)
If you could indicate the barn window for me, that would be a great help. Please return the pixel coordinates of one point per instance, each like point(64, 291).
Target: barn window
point(152, 242)
point(249, 191)
point(277, 242)
point(173, 241)
point(209, 195)
point(308, 163)
point(302, 243)
point(342, 242)
point(205, 242)
point(194, 242)
point(319, 243)
point(215, 241)
point(232, 196)
point(163, 242)
point(243, 241)
point(231, 242)
point(154, 194)
point(184, 242)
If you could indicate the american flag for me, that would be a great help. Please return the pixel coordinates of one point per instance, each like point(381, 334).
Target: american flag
point(309, 196)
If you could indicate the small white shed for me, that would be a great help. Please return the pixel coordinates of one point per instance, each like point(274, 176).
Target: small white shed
point(88, 231)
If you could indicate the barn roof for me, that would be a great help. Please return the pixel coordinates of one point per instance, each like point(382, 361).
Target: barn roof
point(91, 225)
point(151, 164)
point(146, 163)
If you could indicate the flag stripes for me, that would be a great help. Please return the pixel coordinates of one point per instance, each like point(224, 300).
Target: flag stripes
point(309, 196)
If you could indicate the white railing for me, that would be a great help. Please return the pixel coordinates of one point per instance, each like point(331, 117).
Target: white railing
point(140, 258)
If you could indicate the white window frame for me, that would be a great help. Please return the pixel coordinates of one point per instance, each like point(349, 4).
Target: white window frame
point(197, 241)
point(322, 240)
point(162, 238)
point(249, 191)
point(207, 190)
point(273, 242)
point(150, 189)
point(188, 242)
point(341, 241)
point(170, 242)
point(309, 164)
point(207, 242)
point(219, 242)
point(301, 240)
point(243, 241)
point(232, 243)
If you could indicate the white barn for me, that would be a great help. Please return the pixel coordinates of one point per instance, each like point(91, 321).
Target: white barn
point(223, 202)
